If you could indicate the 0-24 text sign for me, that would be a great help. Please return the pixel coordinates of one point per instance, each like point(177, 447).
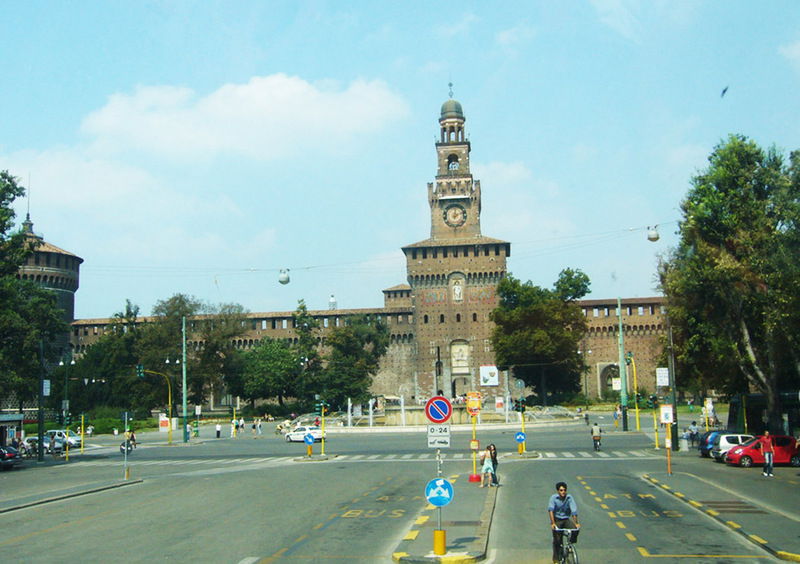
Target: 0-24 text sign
point(439, 436)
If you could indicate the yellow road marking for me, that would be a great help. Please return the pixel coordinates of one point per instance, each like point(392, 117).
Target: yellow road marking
point(630, 537)
point(430, 506)
point(757, 539)
point(603, 506)
point(679, 494)
point(733, 525)
point(643, 552)
point(598, 499)
point(790, 556)
point(301, 538)
point(693, 502)
point(396, 556)
point(422, 519)
point(621, 525)
point(592, 493)
point(712, 512)
point(612, 514)
point(411, 535)
point(274, 557)
point(665, 486)
point(318, 526)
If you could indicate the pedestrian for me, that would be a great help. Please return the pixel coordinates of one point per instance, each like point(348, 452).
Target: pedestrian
point(234, 426)
point(253, 430)
point(616, 418)
point(694, 432)
point(241, 425)
point(495, 481)
point(487, 466)
point(768, 449)
point(258, 427)
point(218, 428)
point(133, 438)
point(90, 430)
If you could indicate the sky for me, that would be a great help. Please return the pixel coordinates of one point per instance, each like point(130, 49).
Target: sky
point(201, 147)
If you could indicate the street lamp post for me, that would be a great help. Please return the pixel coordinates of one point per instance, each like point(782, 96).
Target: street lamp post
point(629, 358)
point(65, 403)
point(183, 376)
point(622, 372)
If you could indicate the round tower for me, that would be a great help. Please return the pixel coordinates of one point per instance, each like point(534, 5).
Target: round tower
point(55, 269)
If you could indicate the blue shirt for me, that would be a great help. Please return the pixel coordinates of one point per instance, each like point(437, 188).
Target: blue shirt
point(562, 508)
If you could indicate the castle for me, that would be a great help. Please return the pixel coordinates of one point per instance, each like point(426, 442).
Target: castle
point(438, 320)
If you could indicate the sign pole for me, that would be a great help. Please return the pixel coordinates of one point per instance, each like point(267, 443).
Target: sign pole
point(439, 491)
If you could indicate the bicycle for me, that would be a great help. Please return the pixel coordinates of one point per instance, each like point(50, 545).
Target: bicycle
point(569, 554)
point(596, 441)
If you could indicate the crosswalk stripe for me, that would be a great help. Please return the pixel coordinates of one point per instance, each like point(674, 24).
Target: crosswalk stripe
point(407, 456)
point(425, 455)
point(459, 455)
point(603, 455)
point(585, 454)
point(550, 454)
point(618, 453)
point(373, 457)
point(637, 453)
point(357, 456)
point(569, 455)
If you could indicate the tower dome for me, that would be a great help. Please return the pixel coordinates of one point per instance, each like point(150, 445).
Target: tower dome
point(452, 109)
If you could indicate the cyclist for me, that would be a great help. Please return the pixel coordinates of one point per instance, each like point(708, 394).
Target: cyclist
point(596, 431)
point(563, 513)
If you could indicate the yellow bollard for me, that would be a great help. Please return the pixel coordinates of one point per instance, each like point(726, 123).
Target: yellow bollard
point(520, 448)
point(439, 542)
point(127, 472)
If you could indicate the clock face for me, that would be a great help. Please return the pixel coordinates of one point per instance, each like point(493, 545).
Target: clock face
point(455, 215)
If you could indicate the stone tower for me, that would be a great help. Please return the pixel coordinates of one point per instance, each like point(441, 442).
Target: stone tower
point(55, 269)
point(454, 274)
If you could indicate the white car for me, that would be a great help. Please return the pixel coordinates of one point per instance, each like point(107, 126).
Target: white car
point(73, 438)
point(725, 442)
point(298, 434)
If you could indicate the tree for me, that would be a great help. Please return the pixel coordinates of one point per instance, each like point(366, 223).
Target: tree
point(309, 361)
point(30, 320)
point(354, 358)
point(538, 330)
point(269, 371)
point(732, 282)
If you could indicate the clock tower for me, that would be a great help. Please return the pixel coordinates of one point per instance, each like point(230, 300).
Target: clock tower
point(454, 274)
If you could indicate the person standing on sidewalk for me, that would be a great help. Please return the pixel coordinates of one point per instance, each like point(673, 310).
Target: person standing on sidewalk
point(769, 453)
point(218, 428)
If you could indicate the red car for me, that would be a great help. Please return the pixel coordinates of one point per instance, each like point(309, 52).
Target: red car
point(749, 453)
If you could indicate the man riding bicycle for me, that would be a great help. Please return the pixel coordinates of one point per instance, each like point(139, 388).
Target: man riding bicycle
point(563, 513)
point(596, 430)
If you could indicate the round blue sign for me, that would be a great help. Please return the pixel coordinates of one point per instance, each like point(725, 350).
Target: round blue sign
point(308, 439)
point(520, 437)
point(439, 492)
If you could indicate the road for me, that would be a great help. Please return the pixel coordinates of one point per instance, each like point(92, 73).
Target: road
point(249, 499)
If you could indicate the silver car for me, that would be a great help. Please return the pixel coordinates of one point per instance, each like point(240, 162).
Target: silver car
point(725, 442)
point(68, 435)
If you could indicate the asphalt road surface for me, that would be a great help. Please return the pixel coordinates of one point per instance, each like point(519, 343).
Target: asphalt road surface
point(250, 500)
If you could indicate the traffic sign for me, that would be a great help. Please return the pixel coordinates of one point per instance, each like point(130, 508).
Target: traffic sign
point(473, 403)
point(438, 409)
point(520, 437)
point(474, 444)
point(439, 492)
point(666, 414)
point(308, 438)
point(439, 436)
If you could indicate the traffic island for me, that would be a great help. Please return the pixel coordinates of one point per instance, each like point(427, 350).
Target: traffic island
point(314, 458)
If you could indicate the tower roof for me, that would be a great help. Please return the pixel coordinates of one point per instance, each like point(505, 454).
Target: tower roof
point(452, 109)
point(40, 244)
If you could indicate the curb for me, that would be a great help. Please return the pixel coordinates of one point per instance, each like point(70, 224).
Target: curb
point(478, 546)
point(70, 495)
point(755, 539)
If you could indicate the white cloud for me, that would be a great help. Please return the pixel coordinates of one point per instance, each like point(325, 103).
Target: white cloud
point(515, 36)
point(268, 118)
point(792, 53)
point(460, 27)
point(619, 15)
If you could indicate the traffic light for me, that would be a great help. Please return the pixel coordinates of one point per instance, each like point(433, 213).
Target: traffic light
point(319, 407)
point(652, 401)
point(68, 419)
point(519, 405)
point(140, 370)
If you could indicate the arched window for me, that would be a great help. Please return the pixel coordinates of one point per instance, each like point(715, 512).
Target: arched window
point(425, 319)
point(441, 318)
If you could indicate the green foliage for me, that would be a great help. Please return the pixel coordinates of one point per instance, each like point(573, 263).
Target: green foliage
point(29, 318)
point(269, 371)
point(732, 282)
point(538, 330)
point(354, 358)
point(309, 378)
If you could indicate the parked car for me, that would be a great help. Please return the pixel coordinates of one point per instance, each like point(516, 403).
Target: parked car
point(725, 442)
point(73, 438)
point(31, 445)
point(9, 457)
point(298, 433)
point(707, 442)
point(750, 453)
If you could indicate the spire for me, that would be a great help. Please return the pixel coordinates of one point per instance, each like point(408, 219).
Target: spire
point(27, 225)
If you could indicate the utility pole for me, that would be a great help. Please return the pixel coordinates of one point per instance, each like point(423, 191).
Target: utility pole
point(622, 371)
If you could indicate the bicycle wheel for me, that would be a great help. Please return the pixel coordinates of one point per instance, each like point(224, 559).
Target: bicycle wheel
point(572, 555)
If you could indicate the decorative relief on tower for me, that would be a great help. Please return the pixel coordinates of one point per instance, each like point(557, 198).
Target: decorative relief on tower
point(434, 296)
point(458, 291)
point(482, 295)
point(459, 357)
